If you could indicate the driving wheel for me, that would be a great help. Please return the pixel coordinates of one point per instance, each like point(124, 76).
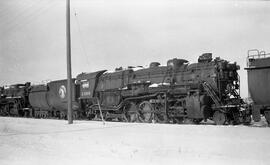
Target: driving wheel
point(146, 112)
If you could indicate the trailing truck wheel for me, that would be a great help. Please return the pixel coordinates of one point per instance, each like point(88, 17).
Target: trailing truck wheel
point(178, 120)
point(160, 114)
point(267, 117)
point(132, 117)
point(146, 112)
point(219, 118)
point(91, 116)
point(197, 121)
point(131, 112)
point(161, 118)
point(247, 120)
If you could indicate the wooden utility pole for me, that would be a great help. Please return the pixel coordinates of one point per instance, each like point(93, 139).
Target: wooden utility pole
point(69, 87)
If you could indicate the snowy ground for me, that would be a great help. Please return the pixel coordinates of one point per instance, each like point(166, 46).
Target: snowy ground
point(36, 141)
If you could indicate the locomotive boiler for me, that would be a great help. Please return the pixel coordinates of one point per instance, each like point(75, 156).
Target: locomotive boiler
point(208, 89)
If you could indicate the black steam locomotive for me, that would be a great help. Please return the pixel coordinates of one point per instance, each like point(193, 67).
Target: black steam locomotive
point(205, 90)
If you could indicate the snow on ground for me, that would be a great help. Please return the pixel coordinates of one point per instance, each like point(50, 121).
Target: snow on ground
point(43, 142)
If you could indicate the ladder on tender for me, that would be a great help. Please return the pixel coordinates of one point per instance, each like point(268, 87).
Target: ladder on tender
point(210, 91)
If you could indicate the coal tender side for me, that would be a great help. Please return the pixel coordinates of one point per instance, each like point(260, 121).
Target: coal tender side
point(50, 100)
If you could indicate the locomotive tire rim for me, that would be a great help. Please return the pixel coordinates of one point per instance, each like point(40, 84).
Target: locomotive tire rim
point(131, 112)
point(145, 112)
point(160, 114)
point(219, 118)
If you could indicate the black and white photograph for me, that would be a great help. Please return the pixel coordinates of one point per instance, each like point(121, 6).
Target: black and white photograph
point(137, 82)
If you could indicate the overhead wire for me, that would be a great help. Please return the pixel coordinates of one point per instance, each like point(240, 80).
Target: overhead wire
point(19, 14)
point(19, 10)
point(33, 13)
point(8, 7)
point(18, 25)
point(29, 17)
point(80, 36)
point(6, 4)
point(40, 9)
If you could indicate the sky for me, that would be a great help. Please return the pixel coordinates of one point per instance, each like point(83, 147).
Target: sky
point(106, 34)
